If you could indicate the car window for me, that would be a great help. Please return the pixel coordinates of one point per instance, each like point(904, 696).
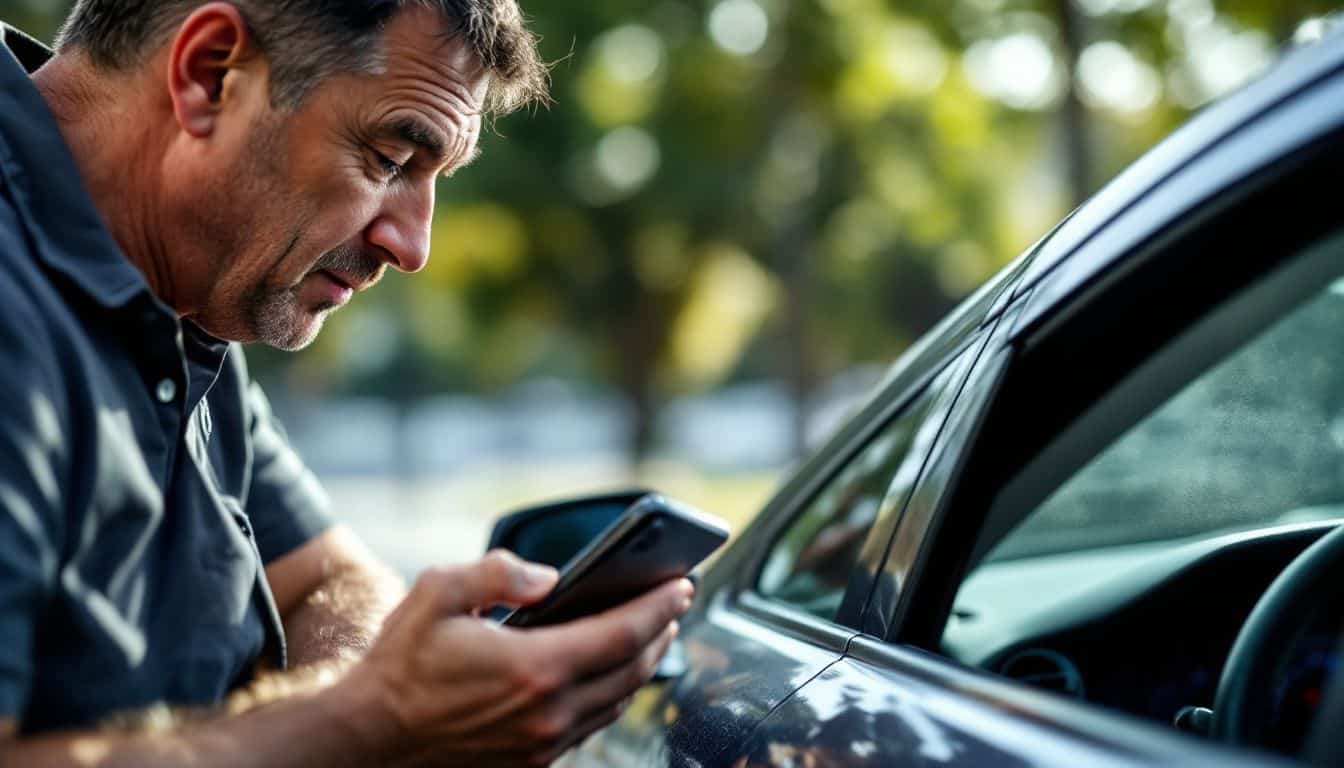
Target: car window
point(810, 566)
point(1253, 439)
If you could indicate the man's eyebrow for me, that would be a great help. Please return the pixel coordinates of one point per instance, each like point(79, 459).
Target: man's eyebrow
point(419, 133)
point(429, 140)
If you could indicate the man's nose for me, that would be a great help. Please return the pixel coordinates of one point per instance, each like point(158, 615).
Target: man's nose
point(401, 229)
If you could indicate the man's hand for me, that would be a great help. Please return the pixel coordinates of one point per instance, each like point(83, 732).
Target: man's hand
point(443, 686)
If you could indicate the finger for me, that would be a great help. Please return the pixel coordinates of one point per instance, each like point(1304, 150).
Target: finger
point(601, 692)
point(555, 721)
point(502, 577)
point(596, 644)
point(499, 577)
point(595, 721)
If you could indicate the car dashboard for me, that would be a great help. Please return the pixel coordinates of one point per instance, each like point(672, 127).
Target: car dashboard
point(1142, 628)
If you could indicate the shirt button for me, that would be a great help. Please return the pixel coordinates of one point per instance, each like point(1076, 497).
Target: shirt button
point(166, 391)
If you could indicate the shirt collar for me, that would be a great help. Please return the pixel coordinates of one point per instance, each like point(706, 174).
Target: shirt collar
point(30, 53)
point(45, 185)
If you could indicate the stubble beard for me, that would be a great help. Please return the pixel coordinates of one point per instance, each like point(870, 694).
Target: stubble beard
point(281, 321)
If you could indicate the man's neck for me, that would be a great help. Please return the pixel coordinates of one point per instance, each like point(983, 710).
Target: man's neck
point(103, 125)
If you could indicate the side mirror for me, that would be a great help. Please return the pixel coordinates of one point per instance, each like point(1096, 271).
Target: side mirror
point(555, 532)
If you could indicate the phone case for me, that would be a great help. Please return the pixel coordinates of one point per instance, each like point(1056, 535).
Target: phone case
point(653, 542)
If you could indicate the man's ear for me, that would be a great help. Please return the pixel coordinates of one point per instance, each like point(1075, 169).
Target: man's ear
point(208, 49)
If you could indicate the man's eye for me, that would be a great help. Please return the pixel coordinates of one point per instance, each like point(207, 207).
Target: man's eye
point(390, 168)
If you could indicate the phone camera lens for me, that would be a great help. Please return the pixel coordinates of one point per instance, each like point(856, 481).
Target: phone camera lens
point(649, 537)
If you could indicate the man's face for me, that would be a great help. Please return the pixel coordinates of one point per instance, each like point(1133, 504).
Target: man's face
point(322, 199)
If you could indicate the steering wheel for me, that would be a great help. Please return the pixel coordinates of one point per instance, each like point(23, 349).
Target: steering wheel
point(1242, 705)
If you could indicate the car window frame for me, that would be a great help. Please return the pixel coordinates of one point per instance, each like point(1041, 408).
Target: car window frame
point(945, 463)
point(912, 400)
point(869, 424)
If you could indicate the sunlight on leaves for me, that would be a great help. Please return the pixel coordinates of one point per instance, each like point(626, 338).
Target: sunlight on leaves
point(730, 298)
point(484, 238)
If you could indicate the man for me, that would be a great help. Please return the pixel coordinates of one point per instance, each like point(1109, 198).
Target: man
point(181, 173)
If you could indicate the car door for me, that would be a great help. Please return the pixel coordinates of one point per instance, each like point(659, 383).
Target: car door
point(782, 603)
point(1088, 340)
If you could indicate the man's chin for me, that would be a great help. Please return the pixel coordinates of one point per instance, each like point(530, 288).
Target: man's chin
point(296, 334)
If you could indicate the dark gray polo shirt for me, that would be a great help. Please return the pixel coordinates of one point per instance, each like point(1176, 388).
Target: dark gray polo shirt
point(143, 480)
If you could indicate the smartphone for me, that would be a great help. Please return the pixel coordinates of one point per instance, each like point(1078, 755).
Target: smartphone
point(653, 541)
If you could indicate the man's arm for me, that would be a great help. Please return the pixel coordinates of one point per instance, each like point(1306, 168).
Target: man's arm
point(317, 727)
point(333, 595)
point(440, 686)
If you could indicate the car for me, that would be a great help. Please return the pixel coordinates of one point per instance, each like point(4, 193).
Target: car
point(1091, 518)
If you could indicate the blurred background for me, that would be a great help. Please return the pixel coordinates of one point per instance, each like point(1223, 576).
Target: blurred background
point(736, 214)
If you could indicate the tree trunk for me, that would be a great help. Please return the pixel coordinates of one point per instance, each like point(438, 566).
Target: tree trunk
point(1073, 113)
point(792, 254)
point(644, 410)
point(638, 342)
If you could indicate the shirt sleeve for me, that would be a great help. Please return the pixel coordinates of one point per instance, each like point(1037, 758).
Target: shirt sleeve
point(34, 456)
point(285, 502)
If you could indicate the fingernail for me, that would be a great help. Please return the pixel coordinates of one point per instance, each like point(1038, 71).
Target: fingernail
point(538, 575)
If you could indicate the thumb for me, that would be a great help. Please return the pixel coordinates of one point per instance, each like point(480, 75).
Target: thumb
point(500, 577)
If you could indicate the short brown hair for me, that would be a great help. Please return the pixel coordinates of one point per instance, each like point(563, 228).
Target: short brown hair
point(310, 40)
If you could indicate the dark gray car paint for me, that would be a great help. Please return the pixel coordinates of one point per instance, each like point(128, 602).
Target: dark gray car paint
point(885, 705)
